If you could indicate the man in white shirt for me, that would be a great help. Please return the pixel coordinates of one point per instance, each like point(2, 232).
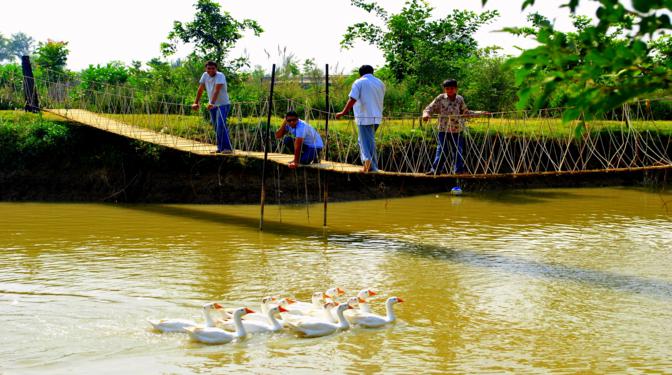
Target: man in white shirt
point(306, 144)
point(214, 83)
point(366, 97)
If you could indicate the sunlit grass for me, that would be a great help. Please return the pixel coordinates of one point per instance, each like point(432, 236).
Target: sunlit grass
point(197, 127)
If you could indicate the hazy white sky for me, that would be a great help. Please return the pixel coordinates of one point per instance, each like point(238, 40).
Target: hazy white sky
point(126, 30)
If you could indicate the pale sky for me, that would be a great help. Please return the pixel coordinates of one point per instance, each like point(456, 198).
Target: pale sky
point(127, 30)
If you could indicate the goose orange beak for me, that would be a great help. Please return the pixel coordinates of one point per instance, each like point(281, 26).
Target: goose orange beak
point(361, 300)
point(282, 309)
point(372, 293)
point(399, 299)
point(249, 311)
point(340, 291)
point(217, 306)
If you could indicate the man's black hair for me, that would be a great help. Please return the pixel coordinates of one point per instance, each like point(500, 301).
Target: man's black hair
point(450, 83)
point(365, 69)
point(211, 63)
point(292, 114)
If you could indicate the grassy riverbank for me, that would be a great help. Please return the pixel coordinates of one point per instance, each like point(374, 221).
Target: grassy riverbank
point(47, 158)
point(395, 129)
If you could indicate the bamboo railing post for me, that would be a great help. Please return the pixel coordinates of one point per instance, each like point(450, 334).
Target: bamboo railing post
point(267, 145)
point(29, 89)
point(326, 143)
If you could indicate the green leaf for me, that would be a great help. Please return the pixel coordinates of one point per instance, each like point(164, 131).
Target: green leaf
point(643, 6)
point(580, 130)
point(570, 115)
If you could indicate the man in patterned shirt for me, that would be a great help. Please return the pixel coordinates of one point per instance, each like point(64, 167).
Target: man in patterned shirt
point(451, 109)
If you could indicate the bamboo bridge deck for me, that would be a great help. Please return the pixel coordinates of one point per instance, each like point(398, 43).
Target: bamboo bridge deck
point(184, 144)
point(205, 149)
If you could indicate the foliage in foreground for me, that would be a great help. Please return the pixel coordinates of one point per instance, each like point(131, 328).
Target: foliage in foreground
point(600, 66)
point(24, 135)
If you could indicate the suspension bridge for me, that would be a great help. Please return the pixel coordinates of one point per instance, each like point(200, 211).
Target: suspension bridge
point(518, 143)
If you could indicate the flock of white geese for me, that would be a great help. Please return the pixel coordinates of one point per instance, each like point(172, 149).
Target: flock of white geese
point(324, 315)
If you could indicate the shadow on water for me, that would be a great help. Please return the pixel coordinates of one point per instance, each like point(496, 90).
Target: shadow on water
point(532, 196)
point(506, 263)
point(511, 264)
point(270, 226)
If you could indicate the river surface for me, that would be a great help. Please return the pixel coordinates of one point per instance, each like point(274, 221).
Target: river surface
point(536, 281)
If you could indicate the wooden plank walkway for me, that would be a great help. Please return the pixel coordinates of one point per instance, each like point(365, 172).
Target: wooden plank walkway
point(188, 145)
point(184, 144)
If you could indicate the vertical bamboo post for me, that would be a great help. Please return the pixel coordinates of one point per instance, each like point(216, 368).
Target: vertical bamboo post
point(267, 145)
point(326, 142)
point(29, 90)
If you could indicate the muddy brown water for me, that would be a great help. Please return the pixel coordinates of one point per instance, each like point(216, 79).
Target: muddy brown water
point(536, 281)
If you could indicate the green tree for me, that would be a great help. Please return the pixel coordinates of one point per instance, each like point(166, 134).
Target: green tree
point(608, 74)
point(213, 32)
point(662, 50)
point(416, 46)
point(21, 45)
point(5, 51)
point(17, 45)
point(52, 55)
point(99, 77)
point(487, 82)
point(581, 50)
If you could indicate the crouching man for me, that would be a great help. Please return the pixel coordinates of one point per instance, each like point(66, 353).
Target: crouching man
point(306, 143)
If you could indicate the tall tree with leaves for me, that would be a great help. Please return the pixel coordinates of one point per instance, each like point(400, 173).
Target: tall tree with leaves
point(213, 32)
point(662, 50)
point(608, 74)
point(52, 57)
point(416, 46)
point(5, 51)
point(17, 45)
point(21, 45)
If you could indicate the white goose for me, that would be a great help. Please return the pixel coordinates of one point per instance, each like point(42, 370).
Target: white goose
point(256, 326)
point(228, 313)
point(369, 320)
point(179, 325)
point(313, 327)
point(212, 335)
point(363, 296)
point(334, 293)
point(262, 316)
point(326, 312)
point(304, 308)
point(361, 302)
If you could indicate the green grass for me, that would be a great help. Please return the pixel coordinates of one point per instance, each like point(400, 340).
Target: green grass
point(26, 137)
point(19, 130)
point(395, 130)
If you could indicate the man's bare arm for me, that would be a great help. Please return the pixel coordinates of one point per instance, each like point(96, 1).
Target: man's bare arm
point(196, 104)
point(282, 131)
point(298, 143)
point(348, 106)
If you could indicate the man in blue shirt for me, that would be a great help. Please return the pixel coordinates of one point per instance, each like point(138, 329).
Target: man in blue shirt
point(214, 83)
point(306, 144)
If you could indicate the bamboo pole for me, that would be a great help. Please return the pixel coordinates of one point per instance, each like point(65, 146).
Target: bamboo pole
point(326, 143)
point(267, 145)
point(29, 89)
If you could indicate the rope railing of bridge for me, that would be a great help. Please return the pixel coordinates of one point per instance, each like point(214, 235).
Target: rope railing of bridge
point(503, 143)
